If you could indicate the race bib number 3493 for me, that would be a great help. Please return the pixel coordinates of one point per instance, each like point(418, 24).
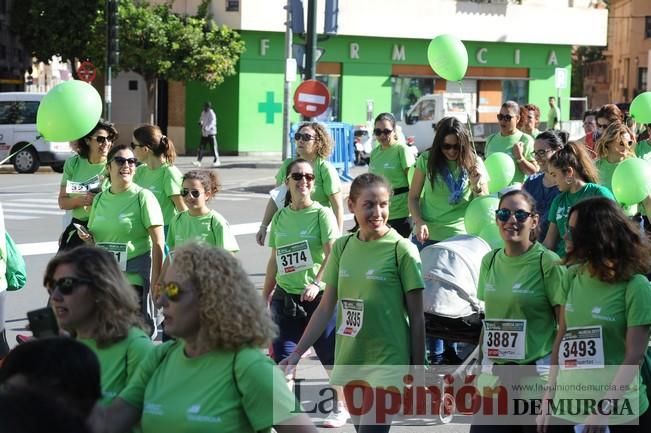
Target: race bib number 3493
point(582, 348)
point(505, 339)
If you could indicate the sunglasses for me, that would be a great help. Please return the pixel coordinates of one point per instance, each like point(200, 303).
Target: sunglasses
point(505, 214)
point(506, 117)
point(385, 131)
point(171, 291)
point(540, 153)
point(303, 137)
point(450, 146)
point(193, 192)
point(66, 285)
point(602, 125)
point(101, 139)
point(134, 145)
point(298, 176)
point(119, 160)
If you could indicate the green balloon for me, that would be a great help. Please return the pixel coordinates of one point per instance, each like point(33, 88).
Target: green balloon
point(640, 108)
point(68, 111)
point(448, 57)
point(491, 234)
point(501, 169)
point(631, 181)
point(480, 213)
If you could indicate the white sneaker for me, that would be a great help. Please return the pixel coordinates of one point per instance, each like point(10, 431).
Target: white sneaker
point(337, 418)
point(216, 164)
point(196, 163)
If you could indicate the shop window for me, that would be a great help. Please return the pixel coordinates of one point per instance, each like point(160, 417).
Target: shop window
point(333, 83)
point(647, 27)
point(232, 5)
point(405, 93)
point(515, 90)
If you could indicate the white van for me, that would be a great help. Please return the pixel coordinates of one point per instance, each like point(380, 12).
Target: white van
point(423, 116)
point(18, 134)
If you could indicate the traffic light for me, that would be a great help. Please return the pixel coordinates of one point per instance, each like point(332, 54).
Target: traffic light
point(298, 17)
point(330, 22)
point(112, 32)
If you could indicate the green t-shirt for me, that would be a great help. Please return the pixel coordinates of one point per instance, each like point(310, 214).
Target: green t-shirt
point(392, 163)
point(119, 361)
point(563, 202)
point(165, 182)
point(372, 277)
point(211, 228)
point(526, 287)
point(80, 175)
point(643, 150)
point(606, 170)
point(125, 219)
point(443, 219)
point(217, 391)
point(553, 118)
point(499, 143)
point(315, 225)
point(614, 307)
point(326, 180)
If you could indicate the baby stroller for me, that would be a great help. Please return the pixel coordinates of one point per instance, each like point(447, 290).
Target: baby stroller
point(452, 310)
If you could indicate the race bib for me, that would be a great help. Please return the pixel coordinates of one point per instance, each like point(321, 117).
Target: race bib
point(82, 187)
point(582, 347)
point(119, 251)
point(504, 339)
point(294, 258)
point(352, 317)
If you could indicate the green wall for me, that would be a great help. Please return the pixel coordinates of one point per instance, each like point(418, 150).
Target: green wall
point(249, 105)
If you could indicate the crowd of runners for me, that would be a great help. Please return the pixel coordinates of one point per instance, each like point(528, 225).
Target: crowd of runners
point(566, 298)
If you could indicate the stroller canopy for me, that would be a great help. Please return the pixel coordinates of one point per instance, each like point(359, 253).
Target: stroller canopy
point(451, 273)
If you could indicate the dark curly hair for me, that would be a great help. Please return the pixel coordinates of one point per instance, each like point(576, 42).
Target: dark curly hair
point(83, 149)
point(607, 242)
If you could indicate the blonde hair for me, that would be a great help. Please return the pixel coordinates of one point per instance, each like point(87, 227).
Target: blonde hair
point(615, 133)
point(116, 302)
point(231, 313)
point(322, 139)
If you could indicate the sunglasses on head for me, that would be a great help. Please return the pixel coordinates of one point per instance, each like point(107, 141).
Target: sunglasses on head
point(506, 117)
point(385, 131)
point(66, 285)
point(298, 176)
point(119, 160)
point(505, 214)
point(303, 137)
point(193, 192)
point(450, 146)
point(171, 291)
point(101, 139)
point(134, 145)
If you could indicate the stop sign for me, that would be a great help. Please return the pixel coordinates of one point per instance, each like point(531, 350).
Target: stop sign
point(311, 98)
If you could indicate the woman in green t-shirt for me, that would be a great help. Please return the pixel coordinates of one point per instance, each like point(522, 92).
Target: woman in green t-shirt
point(214, 376)
point(604, 331)
point(519, 285)
point(577, 179)
point(199, 222)
point(374, 284)
point(313, 144)
point(392, 160)
point(92, 300)
point(157, 172)
point(616, 145)
point(83, 177)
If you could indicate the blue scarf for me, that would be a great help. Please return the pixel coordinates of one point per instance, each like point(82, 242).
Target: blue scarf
point(456, 187)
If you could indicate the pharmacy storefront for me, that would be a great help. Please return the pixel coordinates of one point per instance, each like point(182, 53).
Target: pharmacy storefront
point(367, 76)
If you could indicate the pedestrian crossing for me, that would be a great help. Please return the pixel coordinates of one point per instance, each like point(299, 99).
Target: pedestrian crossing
point(18, 207)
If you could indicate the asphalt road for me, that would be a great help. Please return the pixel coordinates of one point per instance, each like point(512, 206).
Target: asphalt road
point(35, 222)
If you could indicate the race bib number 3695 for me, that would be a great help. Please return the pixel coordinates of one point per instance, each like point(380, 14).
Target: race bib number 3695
point(505, 339)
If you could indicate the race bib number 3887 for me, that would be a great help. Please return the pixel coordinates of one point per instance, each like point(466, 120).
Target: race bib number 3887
point(505, 339)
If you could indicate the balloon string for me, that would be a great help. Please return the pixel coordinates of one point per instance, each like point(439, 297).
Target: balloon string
point(12, 155)
point(468, 122)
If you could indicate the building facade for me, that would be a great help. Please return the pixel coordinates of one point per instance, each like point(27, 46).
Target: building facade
point(14, 60)
point(378, 61)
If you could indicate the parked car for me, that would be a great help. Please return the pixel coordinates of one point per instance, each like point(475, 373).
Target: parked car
point(18, 134)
